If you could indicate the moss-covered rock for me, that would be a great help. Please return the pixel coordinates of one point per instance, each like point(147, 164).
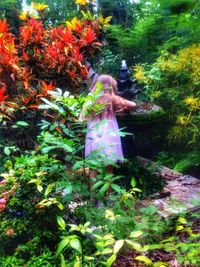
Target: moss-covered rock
point(142, 116)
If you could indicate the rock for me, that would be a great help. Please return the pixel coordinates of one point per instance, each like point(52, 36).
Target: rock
point(184, 191)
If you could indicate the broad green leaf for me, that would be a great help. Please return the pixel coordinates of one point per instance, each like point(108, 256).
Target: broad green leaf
point(87, 224)
point(135, 234)
point(118, 245)
point(104, 188)
point(49, 188)
point(76, 244)
point(116, 187)
point(111, 260)
point(61, 222)
point(62, 245)
point(134, 245)
point(144, 259)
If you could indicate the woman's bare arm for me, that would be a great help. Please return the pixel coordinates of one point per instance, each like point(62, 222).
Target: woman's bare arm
point(122, 104)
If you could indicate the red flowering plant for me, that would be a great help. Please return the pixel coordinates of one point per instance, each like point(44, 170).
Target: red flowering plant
point(43, 58)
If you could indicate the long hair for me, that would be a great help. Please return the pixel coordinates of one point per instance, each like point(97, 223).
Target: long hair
point(109, 88)
point(109, 84)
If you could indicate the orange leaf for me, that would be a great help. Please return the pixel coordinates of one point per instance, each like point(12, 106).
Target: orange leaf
point(58, 130)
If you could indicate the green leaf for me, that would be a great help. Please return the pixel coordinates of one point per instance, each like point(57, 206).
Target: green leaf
point(49, 188)
point(135, 234)
point(133, 182)
point(134, 245)
point(77, 263)
point(96, 185)
point(88, 258)
point(22, 123)
point(76, 244)
point(62, 261)
point(136, 190)
point(62, 245)
point(118, 245)
point(111, 260)
point(39, 188)
point(144, 259)
point(35, 181)
point(61, 222)
point(7, 151)
point(59, 205)
point(104, 188)
point(182, 220)
point(106, 251)
point(179, 228)
point(116, 187)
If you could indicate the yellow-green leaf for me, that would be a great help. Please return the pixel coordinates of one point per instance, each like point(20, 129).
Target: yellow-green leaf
point(135, 234)
point(134, 245)
point(144, 259)
point(49, 188)
point(62, 261)
point(182, 220)
point(111, 260)
point(179, 228)
point(39, 188)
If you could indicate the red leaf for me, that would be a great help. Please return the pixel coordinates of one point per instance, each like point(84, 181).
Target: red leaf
point(3, 26)
point(90, 36)
point(2, 91)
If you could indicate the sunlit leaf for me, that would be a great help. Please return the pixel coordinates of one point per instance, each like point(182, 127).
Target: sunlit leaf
point(49, 188)
point(134, 245)
point(62, 245)
point(136, 234)
point(144, 259)
point(118, 245)
point(76, 244)
point(61, 222)
point(111, 260)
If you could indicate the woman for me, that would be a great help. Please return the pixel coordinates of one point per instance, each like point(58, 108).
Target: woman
point(102, 138)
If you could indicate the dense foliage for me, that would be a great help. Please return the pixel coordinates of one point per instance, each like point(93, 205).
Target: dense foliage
point(51, 213)
point(173, 82)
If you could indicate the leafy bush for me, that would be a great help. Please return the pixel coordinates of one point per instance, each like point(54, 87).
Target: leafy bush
point(172, 82)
